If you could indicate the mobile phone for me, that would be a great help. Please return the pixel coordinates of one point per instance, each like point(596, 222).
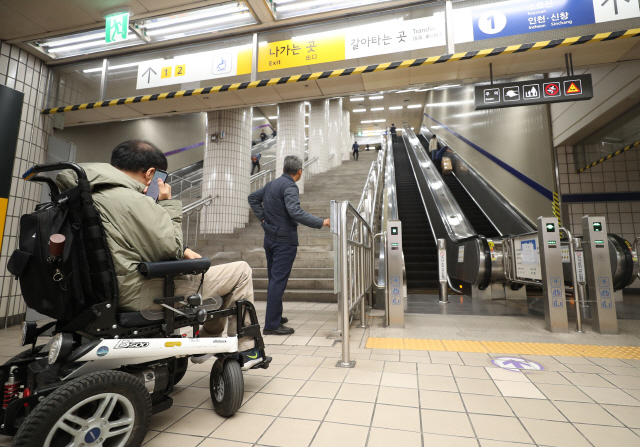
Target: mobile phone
point(153, 191)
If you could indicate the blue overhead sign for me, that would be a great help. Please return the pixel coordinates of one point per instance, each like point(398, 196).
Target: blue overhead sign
point(511, 18)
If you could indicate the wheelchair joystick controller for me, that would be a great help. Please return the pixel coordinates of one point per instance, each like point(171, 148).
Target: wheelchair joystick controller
point(194, 301)
point(56, 247)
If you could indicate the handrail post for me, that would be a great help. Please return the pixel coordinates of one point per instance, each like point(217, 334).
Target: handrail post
point(334, 217)
point(578, 274)
point(343, 306)
point(442, 272)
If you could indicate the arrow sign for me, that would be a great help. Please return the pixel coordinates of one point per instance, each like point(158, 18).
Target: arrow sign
point(149, 70)
point(517, 364)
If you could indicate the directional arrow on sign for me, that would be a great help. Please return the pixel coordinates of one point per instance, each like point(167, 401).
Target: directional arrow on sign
point(149, 70)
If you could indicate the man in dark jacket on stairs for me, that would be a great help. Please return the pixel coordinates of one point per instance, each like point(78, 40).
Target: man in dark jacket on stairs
point(277, 206)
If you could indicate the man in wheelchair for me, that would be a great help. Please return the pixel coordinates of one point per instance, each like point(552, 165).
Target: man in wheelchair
point(107, 263)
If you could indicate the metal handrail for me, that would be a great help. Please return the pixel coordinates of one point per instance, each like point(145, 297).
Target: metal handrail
point(196, 207)
point(355, 257)
point(354, 253)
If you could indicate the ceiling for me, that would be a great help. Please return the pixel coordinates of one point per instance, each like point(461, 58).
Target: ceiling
point(27, 20)
point(412, 116)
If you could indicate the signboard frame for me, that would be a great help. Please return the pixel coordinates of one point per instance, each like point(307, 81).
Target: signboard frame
point(532, 92)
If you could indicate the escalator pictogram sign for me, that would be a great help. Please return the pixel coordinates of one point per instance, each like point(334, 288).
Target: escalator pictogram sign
point(572, 87)
point(552, 89)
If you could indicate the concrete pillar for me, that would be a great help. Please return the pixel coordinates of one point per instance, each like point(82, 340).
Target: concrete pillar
point(319, 134)
point(335, 132)
point(346, 127)
point(227, 164)
point(291, 135)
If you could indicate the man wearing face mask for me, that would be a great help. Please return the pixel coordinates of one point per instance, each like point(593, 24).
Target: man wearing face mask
point(140, 230)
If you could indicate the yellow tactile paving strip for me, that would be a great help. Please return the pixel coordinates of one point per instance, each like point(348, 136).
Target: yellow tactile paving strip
point(500, 347)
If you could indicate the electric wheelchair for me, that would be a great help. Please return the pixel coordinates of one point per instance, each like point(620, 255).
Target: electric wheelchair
point(104, 372)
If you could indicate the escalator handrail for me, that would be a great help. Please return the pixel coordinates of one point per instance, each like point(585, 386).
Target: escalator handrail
point(509, 207)
point(486, 280)
point(458, 231)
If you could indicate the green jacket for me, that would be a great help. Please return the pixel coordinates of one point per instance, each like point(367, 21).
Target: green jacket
point(138, 229)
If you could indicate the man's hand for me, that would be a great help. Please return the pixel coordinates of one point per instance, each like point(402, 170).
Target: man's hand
point(190, 254)
point(165, 190)
point(326, 223)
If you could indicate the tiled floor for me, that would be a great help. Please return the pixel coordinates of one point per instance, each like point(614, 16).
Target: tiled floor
point(398, 397)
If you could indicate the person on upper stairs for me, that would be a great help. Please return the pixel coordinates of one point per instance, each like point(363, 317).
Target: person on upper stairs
point(263, 136)
point(394, 135)
point(433, 146)
point(356, 149)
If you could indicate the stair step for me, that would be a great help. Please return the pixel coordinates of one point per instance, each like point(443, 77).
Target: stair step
point(298, 283)
point(317, 296)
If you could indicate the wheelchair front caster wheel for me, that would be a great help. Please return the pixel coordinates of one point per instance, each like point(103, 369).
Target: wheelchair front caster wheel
point(227, 388)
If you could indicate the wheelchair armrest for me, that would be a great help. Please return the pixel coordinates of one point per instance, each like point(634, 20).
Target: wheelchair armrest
point(180, 267)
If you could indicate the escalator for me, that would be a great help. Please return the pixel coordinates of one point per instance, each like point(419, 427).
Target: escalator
point(481, 224)
point(418, 244)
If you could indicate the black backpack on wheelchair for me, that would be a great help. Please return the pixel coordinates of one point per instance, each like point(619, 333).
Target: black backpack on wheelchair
point(104, 373)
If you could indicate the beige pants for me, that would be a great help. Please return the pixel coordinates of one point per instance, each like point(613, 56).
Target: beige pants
point(232, 282)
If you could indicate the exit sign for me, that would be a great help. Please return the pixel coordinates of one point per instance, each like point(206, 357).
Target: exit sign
point(117, 27)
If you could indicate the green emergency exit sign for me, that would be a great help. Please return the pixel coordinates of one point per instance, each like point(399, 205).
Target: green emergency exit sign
point(117, 27)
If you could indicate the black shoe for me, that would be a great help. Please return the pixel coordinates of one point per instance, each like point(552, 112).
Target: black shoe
point(282, 330)
point(284, 320)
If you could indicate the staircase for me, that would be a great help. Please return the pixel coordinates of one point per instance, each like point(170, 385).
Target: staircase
point(312, 275)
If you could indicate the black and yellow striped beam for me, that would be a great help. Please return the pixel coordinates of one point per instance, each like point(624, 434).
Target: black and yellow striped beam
point(608, 157)
point(556, 207)
point(544, 45)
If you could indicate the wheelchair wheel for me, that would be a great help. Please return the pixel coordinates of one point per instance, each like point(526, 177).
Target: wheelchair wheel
point(108, 408)
point(228, 392)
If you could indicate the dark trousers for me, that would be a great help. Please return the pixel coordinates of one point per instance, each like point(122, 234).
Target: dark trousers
point(255, 164)
point(355, 155)
point(280, 259)
point(394, 138)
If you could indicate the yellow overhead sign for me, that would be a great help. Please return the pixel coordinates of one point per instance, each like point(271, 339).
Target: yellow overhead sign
point(305, 50)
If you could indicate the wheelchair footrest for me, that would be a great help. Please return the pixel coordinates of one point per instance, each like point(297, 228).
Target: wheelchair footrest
point(263, 364)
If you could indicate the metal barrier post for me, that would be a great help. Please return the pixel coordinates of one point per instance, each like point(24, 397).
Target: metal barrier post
point(580, 279)
point(555, 310)
point(343, 306)
point(574, 278)
point(599, 279)
point(364, 281)
point(334, 216)
point(442, 272)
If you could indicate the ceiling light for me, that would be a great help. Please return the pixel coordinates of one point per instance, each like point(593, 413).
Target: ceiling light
point(377, 109)
point(414, 106)
point(260, 118)
point(446, 86)
point(293, 8)
point(359, 110)
point(376, 97)
point(359, 98)
point(366, 121)
point(395, 108)
point(406, 91)
point(273, 117)
point(306, 125)
point(192, 16)
point(379, 121)
point(199, 21)
point(111, 67)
